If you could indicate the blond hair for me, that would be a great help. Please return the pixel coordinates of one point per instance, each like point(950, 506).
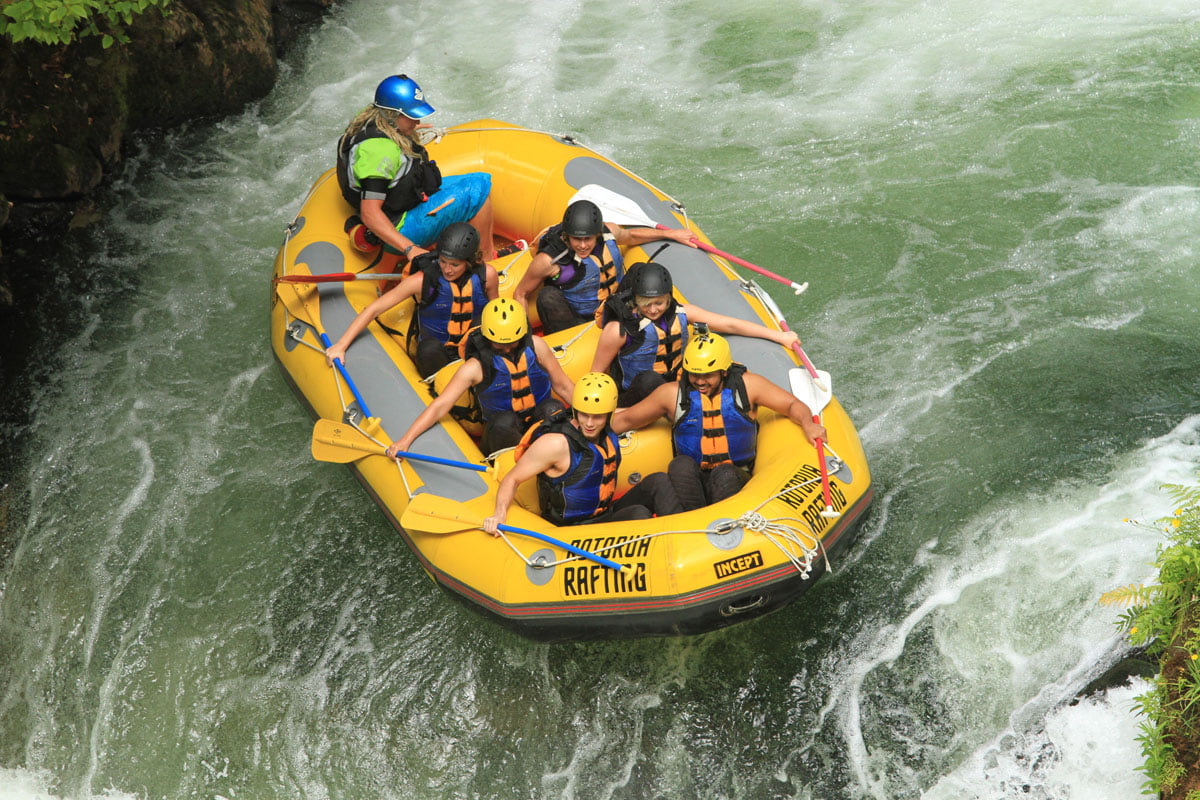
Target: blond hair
point(385, 120)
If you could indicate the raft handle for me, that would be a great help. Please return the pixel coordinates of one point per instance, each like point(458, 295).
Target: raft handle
point(733, 609)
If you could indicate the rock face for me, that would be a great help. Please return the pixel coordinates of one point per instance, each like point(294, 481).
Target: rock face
point(65, 112)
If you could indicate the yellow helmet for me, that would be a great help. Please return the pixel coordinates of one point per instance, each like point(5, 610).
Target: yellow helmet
point(595, 393)
point(706, 352)
point(503, 321)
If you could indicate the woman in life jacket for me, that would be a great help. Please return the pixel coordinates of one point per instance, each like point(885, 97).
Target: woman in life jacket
point(713, 409)
point(400, 198)
point(579, 263)
point(513, 375)
point(451, 288)
point(576, 458)
point(646, 331)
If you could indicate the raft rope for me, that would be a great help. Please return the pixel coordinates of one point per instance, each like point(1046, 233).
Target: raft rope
point(435, 135)
point(560, 350)
point(800, 547)
point(502, 275)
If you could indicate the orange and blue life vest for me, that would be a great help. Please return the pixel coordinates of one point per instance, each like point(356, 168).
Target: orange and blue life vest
point(516, 382)
point(447, 310)
point(654, 346)
point(586, 489)
point(716, 430)
point(585, 282)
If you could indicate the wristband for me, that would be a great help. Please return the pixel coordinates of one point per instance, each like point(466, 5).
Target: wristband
point(405, 250)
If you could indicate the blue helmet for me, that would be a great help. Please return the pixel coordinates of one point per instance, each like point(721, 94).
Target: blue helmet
point(401, 93)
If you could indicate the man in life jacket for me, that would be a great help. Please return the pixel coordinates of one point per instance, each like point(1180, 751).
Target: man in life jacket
point(576, 458)
point(646, 331)
point(451, 288)
point(579, 263)
point(400, 198)
point(713, 410)
point(511, 373)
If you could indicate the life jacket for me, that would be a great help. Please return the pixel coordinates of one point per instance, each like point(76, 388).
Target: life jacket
point(650, 347)
point(446, 311)
point(516, 382)
point(417, 179)
point(716, 430)
point(586, 282)
point(586, 489)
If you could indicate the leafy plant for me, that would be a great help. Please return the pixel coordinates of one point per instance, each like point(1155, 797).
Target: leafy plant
point(1165, 618)
point(58, 22)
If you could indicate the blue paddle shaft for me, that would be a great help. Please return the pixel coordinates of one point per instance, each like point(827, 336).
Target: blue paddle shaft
point(337, 362)
point(570, 548)
point(449, 462)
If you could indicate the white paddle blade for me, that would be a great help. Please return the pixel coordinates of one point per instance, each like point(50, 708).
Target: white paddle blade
point(808, 391)
point(615, 208)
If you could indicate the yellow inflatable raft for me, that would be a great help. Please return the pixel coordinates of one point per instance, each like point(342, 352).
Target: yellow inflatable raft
point(679, 574)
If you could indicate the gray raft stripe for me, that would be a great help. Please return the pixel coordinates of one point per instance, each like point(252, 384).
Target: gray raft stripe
point(389, 396)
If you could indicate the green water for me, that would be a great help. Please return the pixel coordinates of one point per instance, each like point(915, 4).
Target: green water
point(995, 206)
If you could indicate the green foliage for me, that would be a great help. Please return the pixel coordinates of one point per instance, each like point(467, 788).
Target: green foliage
point(1131, 595)
point(58, 22)
point(1165, 618)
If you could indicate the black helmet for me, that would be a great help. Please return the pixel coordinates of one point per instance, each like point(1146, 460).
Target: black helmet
point(460, 241)
point(652, 279)
point(582, 218)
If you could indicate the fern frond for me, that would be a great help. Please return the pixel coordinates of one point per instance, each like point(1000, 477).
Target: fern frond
point(1135, 594)
point(1183, 495)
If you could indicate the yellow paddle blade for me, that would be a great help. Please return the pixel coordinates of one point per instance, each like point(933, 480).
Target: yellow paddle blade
point(429, 513)
point(340, 443)
point(301, 301)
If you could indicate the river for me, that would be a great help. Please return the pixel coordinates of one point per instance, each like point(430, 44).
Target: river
point(996, 207)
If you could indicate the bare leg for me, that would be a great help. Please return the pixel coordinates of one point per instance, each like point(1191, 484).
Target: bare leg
point(389, 261)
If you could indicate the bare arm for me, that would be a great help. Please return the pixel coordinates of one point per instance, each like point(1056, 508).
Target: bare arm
point(394, 296)
point(738, 327)
point(467, 375)
point(371, 211)
point(549, 454)
point(563, 386)
point(763, 392)
point(539, 269)
point(658, 404)
point(611, 340)
point(630, 237)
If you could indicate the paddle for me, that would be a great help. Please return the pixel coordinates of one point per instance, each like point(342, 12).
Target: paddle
point(804, 388)
point(619, 209)
point(808, 365)
point(299, 305)
point(431, 514)
point(340, 444)
point(340, 277)
point(804, 359)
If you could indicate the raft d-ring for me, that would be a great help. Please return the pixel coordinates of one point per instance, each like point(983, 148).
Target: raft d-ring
point(751, 603)
point(839, 469)
point(725, 533)
point(540, 567)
